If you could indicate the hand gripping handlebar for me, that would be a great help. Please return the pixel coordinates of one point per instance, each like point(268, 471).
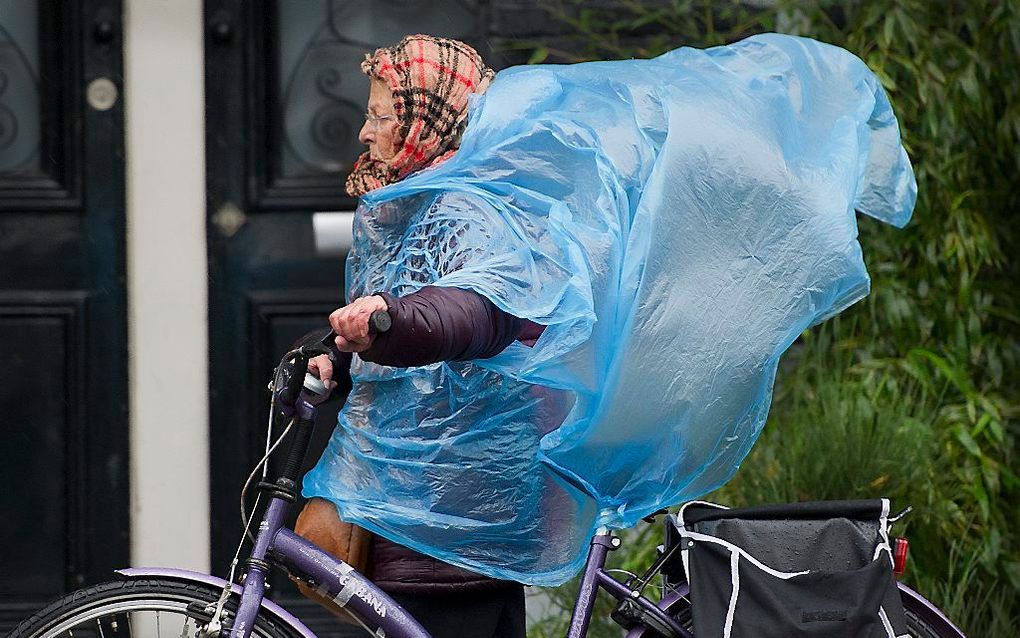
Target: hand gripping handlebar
point(379, 322)
point(319, 344)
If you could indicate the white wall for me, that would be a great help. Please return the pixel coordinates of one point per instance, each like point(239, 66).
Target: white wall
point(167, 294)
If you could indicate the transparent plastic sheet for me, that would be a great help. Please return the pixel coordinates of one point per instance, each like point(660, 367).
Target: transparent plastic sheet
point(675, 223)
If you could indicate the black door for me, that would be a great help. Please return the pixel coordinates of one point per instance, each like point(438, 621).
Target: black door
point(63, 383)
point(285, 98)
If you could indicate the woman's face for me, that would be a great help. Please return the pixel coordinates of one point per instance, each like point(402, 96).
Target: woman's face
point(380, 135)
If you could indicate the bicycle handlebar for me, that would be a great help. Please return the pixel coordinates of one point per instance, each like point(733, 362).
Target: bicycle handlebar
point(319, 344)
point(379, 322)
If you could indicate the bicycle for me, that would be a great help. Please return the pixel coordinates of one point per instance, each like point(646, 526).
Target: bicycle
point(204, 606)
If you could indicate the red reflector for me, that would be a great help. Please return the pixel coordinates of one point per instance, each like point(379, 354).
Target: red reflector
point(900, 546)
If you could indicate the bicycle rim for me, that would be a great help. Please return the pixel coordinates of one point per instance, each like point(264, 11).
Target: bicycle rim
point(135, 617)
point(118, 610)
point(917, 625)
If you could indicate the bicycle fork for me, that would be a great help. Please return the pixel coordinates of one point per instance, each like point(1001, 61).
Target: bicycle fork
point(595, 576)
point(256, 570)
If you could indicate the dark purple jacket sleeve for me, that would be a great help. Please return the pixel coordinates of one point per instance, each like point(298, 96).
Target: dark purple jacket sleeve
point(442, 324)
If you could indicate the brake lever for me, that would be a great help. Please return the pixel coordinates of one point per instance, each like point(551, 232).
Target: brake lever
point(314, 350)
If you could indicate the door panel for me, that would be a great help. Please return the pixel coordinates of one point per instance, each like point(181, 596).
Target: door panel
point(63, 388)
point(285, 98)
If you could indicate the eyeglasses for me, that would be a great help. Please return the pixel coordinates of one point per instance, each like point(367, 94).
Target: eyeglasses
point(374, 121)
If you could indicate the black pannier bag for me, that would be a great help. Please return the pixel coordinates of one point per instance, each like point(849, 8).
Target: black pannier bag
point(783, 571)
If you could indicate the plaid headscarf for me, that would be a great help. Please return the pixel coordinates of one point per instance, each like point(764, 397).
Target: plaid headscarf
point(431, 79)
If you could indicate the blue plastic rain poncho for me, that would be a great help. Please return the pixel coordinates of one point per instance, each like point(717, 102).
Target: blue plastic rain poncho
point(675, 223)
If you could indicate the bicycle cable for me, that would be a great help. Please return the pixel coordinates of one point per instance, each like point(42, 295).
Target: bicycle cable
point(621, 571)
point(263, 464)
point(635, 577)
point(264, 461)
point(245, 520)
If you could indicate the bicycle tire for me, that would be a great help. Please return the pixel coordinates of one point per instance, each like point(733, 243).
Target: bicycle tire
point(917, 624)
point(84, 610)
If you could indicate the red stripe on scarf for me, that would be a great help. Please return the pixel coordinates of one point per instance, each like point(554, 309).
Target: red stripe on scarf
point(409, 148)
point(421, 73)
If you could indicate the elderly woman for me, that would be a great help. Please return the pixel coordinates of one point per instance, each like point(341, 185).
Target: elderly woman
point(671, 223)
point(417, 110)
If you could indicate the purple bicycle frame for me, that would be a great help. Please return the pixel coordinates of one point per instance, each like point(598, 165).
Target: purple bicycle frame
point(332, 578)
point(350, 590)
point(355, 593)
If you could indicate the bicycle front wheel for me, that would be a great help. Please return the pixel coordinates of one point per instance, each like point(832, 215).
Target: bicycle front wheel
point(152, 607)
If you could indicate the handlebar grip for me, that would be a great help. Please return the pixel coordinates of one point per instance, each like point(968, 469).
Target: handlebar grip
point(298, 449)
point(379, 322)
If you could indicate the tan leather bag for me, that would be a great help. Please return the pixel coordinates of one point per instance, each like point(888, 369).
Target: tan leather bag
point(319, 523)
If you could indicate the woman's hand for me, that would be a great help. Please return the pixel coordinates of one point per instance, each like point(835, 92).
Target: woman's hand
point(322, 367)
point(350, 323)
